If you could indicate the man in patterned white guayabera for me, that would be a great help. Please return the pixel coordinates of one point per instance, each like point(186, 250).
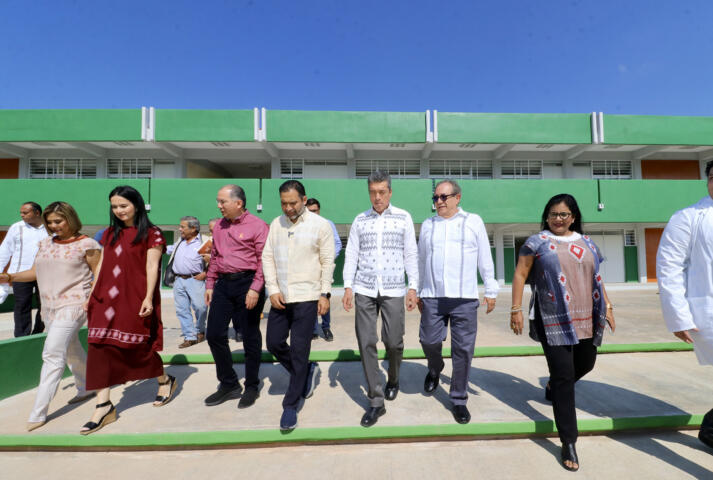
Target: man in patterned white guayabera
point(381, 247)
point(452, 248)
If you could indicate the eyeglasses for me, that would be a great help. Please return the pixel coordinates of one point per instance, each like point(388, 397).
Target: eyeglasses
point(560, 215)
point(443, 197)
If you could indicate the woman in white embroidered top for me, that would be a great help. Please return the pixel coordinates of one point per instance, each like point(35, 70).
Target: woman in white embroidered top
point(63, 268)
point(570, 308)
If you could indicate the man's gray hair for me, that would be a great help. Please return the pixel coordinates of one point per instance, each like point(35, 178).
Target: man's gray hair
point(236, 193)
point(453, 183)
point(192, 222)
point(378, 176)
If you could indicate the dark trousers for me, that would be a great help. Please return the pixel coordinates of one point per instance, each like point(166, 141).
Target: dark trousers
point(229, 302)
point(297, 321)
point(23, 292)
point(462, 313)
point(567, 364)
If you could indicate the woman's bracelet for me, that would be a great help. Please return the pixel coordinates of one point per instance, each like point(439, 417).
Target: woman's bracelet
point(515, 310)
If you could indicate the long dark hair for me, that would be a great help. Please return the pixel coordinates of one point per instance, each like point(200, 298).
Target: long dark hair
point(571, 204)
point(141, 219)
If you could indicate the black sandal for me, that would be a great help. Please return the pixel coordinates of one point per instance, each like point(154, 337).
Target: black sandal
point(164, 400)
point(569, 453)
point(108, 418)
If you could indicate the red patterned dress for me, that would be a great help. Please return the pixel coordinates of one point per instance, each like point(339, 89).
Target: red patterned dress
point(122, 345)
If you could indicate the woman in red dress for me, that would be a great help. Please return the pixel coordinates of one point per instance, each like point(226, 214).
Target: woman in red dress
point(125, 329)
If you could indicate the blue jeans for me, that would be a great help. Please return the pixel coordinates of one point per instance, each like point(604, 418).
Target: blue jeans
point(188, 294)
point(326, 321)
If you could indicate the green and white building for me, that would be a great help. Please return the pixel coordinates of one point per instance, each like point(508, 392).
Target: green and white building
point(629, 173)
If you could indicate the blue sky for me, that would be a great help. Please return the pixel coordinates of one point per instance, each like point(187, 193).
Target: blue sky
point(633, 57)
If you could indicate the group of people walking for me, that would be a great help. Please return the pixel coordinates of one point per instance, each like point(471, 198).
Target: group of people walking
point(386, 272)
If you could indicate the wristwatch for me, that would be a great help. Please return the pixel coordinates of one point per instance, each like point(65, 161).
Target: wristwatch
point(326, 295)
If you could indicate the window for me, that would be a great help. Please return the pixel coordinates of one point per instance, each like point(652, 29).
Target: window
point(63, 168)
point(460, 169)
point(399, 168)
point(521, 169)
point(291, 167)
point(129, 168)
point(629, 238)
point(611, 169)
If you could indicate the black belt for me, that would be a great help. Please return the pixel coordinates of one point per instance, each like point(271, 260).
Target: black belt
point(236, 275)
point(185, 277)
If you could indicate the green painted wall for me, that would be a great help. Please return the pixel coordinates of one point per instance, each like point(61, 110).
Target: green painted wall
point(350, 127)
point(631, 264)
point(514, 128)
point(658, 130)
point(70, 125)
point(172, 198)
point(646, 200)
point(205, 126)
point(88, 197)
point(496, 201)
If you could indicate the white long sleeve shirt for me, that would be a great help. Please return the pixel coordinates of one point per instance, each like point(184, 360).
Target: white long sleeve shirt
point(684, 269)
point(21, 244)
point(380, 248)
point(450, 253)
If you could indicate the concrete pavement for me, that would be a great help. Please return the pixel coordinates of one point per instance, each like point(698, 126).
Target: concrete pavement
point(503, 390)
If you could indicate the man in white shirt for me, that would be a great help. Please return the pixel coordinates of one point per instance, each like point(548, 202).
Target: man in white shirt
point(19, 248)
point(380, 247)
point(314, 206)
point(298, 262)
point(453, 247)
point(684, 269)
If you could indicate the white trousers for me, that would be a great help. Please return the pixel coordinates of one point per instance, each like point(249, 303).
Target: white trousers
point(62, 347)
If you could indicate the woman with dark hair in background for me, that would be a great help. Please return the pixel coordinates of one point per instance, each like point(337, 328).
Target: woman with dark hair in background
point(63, 269)
point(125, 329)
point(569, 308)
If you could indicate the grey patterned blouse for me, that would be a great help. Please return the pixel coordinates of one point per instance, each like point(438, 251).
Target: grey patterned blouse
point(565, 281)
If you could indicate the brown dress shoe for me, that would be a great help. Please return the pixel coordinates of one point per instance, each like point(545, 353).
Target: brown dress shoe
point(187, 343)
point(201, 338)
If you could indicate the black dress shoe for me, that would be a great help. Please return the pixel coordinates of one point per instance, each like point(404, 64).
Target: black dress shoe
point(328, 335)
point(391, 391)
point(569, 453)
point(461, 414)
point(222, 395)
point(248, 397)
point(430, 383)
point(548, 392)
point(372, 415)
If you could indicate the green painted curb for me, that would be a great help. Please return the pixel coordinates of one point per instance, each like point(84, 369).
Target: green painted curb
point(189, 440)
point(349, 355)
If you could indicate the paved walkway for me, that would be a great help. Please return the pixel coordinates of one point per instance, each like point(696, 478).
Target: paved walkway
point(502, 390)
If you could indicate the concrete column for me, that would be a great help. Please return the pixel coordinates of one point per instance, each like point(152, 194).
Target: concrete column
point(641, 252)
point(274, 168)
point(499, 257)
point(636, 168)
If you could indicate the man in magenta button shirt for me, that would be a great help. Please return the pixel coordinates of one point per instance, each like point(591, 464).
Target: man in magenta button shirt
point(235, 289)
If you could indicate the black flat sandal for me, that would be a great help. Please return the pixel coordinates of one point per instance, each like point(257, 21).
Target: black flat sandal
point(164, 400)
point(569, 453)
point(109, 417)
